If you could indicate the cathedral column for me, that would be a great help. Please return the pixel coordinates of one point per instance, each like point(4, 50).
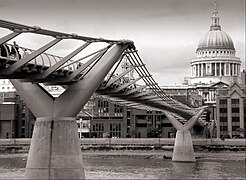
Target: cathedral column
point(229, 69)
point(209, 95)
point(215, 69)
point(202, 69)
point(225, 69)
point(198, 69)
point(194, 70)
point(207, 68)
point(191, 70)
point(220, 74)
point(210, 68)
point(233, 70)
point(213, 97)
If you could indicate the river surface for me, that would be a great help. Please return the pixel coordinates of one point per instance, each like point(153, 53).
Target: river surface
point(142, 166)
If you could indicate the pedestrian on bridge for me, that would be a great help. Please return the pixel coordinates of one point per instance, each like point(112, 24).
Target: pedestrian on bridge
point(15, 50)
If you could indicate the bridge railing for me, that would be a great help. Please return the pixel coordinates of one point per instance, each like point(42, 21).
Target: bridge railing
point(14, 53)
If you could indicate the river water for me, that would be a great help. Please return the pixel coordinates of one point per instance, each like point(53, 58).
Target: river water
point(142, 166)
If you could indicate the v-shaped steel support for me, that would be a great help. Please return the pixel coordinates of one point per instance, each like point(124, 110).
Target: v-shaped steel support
point(55, 147)
point(183, 147)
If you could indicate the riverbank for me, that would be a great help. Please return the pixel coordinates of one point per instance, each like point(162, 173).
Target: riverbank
point(133, 144)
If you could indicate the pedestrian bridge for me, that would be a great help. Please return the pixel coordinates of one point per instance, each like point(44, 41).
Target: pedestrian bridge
point(111, 68)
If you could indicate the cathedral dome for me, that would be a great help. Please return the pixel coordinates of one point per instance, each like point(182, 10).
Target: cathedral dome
point(216, 39)
point(216, 59)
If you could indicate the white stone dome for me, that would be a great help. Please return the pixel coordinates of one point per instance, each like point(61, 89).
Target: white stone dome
point(216, 39)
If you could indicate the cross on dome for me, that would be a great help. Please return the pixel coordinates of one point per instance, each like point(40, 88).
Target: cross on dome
point(215, 19)
point(215, 8)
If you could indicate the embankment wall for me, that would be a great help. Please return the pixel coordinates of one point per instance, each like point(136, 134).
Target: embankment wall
point(22, 145)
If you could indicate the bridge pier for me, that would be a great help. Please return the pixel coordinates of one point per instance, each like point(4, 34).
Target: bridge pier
point(55, 151)
point(183, 146)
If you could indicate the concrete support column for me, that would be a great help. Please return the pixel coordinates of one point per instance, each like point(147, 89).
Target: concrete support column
point(56, 151)
point(183, 147)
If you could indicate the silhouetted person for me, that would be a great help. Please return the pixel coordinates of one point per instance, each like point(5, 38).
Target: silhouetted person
point(25, 53)
point(15, 50)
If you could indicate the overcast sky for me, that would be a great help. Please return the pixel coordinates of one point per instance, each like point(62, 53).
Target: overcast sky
point(166, 32)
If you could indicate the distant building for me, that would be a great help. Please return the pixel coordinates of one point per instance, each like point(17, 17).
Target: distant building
point(215, 62)
point(186, 94)
point(16, 120)
point(109, 119)
point(231, 113)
